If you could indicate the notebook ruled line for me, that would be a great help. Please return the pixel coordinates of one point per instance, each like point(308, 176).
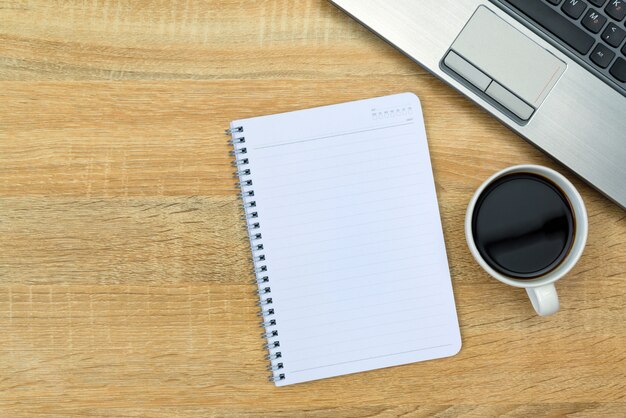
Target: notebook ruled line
point(350, 146)
point(326, 179)
point(369, 192)
point(392, 292)
point(387, 261)
point(411, 236)
point(303, 214)
point(378, 334)
point(413, 278)
point(303, 173)
point(319, 283)
point(372, 358)
point(401, 311)
point(369, 306)
point(365, 255)
point(311, 358)
point(379, 128)
point(331, 325)
point(303, 191)
point(357, 215)
point(353, 226)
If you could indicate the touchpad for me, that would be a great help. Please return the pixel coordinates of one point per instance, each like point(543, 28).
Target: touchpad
point(505, 64)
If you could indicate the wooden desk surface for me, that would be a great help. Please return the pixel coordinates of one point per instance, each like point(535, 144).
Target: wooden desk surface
point(124, 280)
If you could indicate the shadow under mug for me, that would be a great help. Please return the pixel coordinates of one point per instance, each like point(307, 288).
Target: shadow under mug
point(540, 289)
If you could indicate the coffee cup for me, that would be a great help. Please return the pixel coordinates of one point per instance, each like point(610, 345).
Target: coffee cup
point(527, 226)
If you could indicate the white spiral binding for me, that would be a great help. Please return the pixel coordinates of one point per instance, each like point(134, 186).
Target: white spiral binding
point(262, 279)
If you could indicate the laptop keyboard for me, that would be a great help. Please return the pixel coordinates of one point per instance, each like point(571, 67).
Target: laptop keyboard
point(593, 30)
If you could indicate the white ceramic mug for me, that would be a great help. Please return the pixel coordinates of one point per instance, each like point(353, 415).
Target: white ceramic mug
point(541, 290)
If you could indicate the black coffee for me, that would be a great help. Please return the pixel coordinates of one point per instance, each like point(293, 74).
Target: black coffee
point(523, 225)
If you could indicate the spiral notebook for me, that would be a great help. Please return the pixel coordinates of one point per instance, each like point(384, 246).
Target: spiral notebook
point(346, 238)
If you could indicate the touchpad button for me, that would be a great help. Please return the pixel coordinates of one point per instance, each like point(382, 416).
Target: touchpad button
point(508, 57)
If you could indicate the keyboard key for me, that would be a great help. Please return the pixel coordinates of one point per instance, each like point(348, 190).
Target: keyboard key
point(594, 21)
point(555, 2)
point(616, 9)
point(574, 8)
point(613, 35)
point(618, 70)
point(598, 3)
point(602, 56)
point(555, 23)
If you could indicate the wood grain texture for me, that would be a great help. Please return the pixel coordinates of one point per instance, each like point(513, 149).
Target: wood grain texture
point(124, 280)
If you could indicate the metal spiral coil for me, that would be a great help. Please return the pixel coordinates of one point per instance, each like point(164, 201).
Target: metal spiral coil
point(266, 313)
point(267, 324)
point(270, 334)
point(262, 279)
point(273, 344)
point(264, 291)
point(238, 163)
point(237, 141)
point(234, 130)
point(276, 378)
point(242, 184)
point(276, 367)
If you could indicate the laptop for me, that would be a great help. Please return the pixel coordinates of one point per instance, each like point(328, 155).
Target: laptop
point(554, 71)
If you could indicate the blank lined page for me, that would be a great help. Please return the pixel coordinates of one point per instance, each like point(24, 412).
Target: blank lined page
point(352, 238)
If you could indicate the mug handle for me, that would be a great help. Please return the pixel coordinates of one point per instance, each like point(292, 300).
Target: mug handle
point(544, 299)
